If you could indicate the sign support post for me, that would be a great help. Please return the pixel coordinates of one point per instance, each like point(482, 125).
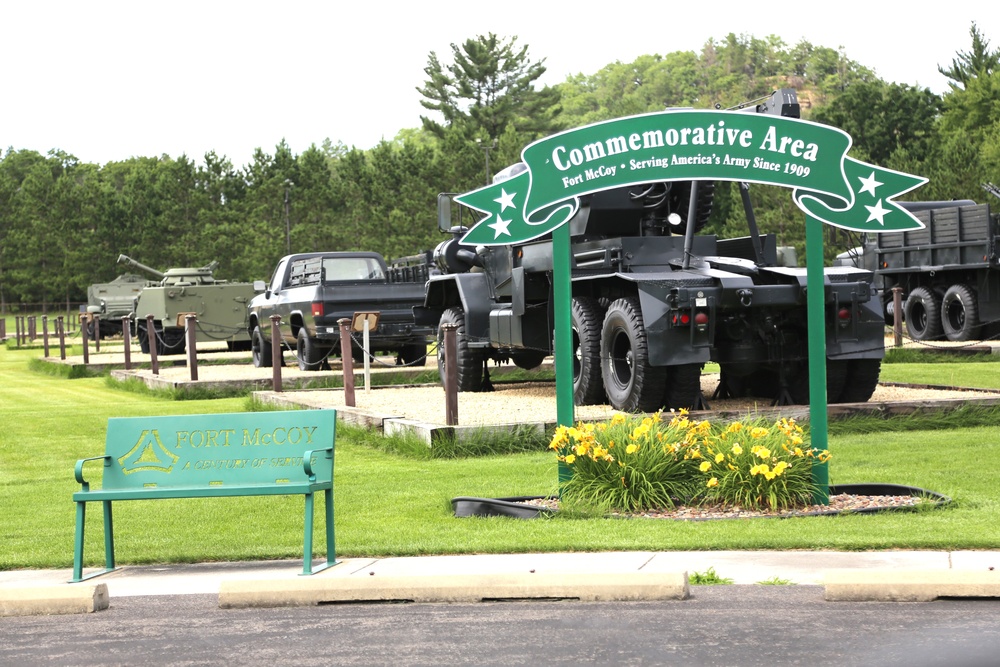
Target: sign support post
point(815, 292)
point(562, 298)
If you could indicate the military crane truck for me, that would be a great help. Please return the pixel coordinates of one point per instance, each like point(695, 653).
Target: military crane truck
point(652, 302)
point(948, 272)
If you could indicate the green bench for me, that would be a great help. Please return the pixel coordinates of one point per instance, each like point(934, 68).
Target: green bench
point(212, 456)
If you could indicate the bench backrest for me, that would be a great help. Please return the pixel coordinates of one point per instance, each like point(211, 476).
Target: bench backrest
point(218, 450)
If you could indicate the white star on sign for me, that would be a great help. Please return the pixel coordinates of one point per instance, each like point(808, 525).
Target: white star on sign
point(505, 200)
point(500, 227)
point(877, 212)
point(869, 184)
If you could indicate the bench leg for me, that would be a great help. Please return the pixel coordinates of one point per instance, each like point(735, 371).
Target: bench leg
point(330, 551)
point(307, 548)
point(109, 542)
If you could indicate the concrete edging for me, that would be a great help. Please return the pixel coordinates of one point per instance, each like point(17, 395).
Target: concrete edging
point(909, 585)
point(586, 587)
point(52, 600)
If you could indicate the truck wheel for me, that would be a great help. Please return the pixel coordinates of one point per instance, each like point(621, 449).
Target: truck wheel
point(923, 314)
point(631, 383)
point(585, 319)
point(527, 359)
point(469, 360)
point(260, 349)
point(862, 379)
point(960, 313)
point(413, 354)
point(836, 376)
point(683, 386)
point(311, 356)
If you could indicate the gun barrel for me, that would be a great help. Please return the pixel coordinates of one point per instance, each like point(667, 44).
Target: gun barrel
point(131, 262)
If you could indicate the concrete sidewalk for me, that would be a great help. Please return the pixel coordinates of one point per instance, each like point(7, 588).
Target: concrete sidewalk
point(880, 575)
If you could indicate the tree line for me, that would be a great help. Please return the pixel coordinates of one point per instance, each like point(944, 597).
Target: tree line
point(64, 222)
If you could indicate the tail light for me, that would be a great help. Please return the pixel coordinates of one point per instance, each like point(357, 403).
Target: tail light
point(317, 309)
point(844, 317)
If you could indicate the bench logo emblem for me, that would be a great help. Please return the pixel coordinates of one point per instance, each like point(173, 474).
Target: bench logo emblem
point(148, 455)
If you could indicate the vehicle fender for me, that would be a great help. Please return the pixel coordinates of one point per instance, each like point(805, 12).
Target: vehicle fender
point(468, 290)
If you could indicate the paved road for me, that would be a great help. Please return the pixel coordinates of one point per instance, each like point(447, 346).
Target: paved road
point(718, 625)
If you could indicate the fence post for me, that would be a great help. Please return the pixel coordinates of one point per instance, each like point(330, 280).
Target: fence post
point(897, 315)
point(60, 324)
point(276, 356)
point(32, 329)
point(127, 339)
point(84, 340)
point(347, 361)
point(45, 335)
point(190, 321)
point(450, 373)
point(17, 330)
point(3, 328)
point(95, 321)
point(151, 337)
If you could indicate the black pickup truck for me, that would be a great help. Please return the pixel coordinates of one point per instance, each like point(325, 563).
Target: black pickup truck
point(312, 291)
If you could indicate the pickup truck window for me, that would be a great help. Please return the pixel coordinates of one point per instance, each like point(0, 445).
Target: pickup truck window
point(352, 268)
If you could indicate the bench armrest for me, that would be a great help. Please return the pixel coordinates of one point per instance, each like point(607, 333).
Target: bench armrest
point(79, 469)
point(307, 461)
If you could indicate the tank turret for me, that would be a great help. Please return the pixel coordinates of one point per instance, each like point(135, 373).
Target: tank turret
point(177, 277)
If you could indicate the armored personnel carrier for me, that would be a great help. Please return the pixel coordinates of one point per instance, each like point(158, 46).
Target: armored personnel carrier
point(110, 302)
point(219, 306)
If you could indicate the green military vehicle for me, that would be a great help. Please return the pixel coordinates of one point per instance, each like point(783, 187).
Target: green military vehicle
point(220, 308)
point(110, 302)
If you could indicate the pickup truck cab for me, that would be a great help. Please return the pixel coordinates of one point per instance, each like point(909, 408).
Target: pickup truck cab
point(312, 291)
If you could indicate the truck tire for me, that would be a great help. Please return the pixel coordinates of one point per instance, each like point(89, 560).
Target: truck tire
point(527, 359)
point(469, 360)
point(960, 313)
point(311, 356)
point(861, 381)
point(260, 349)
point(586, 316)
point(837, 372)
point(683, 386)
point(631, 383)
point(923, 314)
point(412, 354)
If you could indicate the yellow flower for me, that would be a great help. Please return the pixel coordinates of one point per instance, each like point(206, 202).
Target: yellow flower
point(780, 467)
point(737, 450)
point(735, 427)
point(720, 457)
point(617, 418)
point(705, 466)
point(712, 482)
point(762, 452)
point(570, 458)
point(759, 432)
point(631, 449)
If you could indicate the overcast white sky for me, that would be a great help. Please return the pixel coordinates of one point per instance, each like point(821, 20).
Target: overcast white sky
point(108, 79)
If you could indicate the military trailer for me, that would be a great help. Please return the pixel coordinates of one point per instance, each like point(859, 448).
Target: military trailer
point(948, 272)
point(220, 308)
point(653, 300)
point(110, 302)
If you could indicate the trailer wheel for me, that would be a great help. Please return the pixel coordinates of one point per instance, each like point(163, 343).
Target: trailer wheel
point(631, 383)
point(311, 356)
point(923, 314)
point(683, 386)
point(862, 378)
point(960, 313)
point(585, 320)
point(468, 360)
point(260, 349)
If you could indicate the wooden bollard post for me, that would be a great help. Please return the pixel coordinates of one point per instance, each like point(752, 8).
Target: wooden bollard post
point(32, 329)
point(60, 325)
point(450, 373)
point(95, 323)
point(45, 336)
point(154, 362)
point(190, 322)
point(347, 361)
point(83, 340)
point(276, 356)
point(17, 330)
point(3, 327)
point(897, 315)
point(127, 339)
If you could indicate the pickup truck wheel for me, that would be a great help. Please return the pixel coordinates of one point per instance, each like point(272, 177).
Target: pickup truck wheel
point(683, 386)
point(311, 356)
point(861, 380)
point(260, 349)
point(960, 313)
point(631, 383)
point(469, 360)
point(586, 316)
point(923, 314)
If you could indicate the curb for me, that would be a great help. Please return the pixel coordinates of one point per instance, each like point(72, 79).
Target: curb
point(52, 600)
point(909, 585)
point(585, 587)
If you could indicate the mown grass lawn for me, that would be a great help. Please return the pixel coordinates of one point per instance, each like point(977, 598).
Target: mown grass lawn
point(387, 503)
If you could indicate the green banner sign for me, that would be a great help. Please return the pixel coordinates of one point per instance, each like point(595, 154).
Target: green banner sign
point(687, 145)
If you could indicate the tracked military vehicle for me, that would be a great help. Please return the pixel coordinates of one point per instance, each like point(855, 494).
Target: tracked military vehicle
point(653, 300)
point(219, 306)
point(110, 302)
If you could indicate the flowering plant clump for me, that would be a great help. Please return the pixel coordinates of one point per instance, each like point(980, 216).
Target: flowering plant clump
point(632, 464)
